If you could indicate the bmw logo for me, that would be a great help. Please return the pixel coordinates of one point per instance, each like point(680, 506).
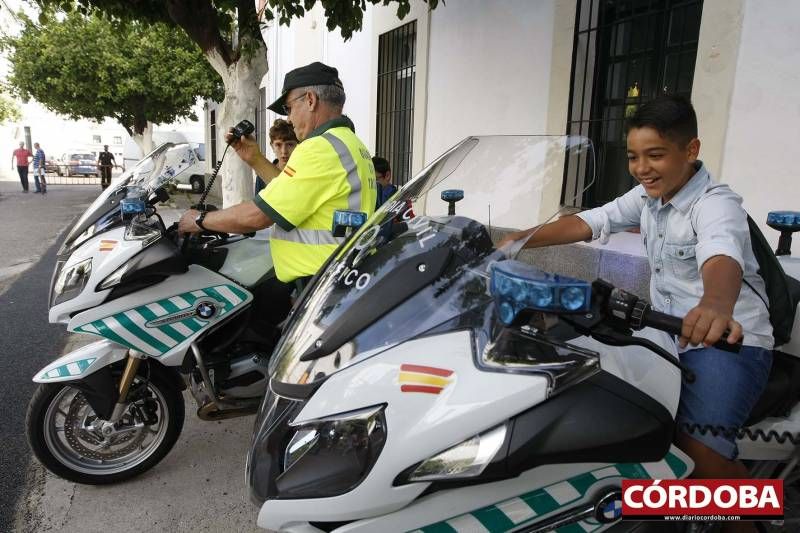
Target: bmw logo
point(608, 508)
point(206, 310)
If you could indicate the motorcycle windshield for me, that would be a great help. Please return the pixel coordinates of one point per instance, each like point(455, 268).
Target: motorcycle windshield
point(415, 265)
point(154, 170)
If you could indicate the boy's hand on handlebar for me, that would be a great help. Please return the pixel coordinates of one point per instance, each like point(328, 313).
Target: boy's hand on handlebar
point(187, 224)
point(706, 324)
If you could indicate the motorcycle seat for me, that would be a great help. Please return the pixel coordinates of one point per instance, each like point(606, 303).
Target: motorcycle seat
point(782, 391)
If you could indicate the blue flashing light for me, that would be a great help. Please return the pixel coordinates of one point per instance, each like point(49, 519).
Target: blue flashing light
point(452, 195)
point(133, 206)
point(784, 220)
point(343, 219)
point(517, 286)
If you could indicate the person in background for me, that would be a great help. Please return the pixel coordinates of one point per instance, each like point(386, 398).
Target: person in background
point(38, 169)
point(23, 157)
point(283, 142)
point(383, 176)
point(105, 161)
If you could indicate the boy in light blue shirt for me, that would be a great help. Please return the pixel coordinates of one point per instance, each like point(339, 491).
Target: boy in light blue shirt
point(702, 268)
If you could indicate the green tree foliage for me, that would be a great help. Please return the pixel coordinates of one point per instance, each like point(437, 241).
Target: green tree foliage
point(9, 111)
point(85, 66)
point(209, 22)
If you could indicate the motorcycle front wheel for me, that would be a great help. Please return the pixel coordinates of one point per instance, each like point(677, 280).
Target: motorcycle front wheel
point(71, 441)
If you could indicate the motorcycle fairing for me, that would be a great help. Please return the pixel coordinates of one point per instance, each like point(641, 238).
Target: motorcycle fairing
point(82, 362)
point(163, 325)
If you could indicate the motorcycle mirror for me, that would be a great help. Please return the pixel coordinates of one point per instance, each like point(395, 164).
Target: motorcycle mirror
point(451, 196)
point(344, 222)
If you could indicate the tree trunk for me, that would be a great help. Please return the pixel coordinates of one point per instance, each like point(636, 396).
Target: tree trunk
point(242, 81)
point(144, 138)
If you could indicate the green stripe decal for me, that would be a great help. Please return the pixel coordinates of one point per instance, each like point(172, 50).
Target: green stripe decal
point(676, 465)
point(582, 482)
point(441, 527)
point(238, 292)
point(168, 306)
point(493, 519)
point(108, 333)
point(171, 333)
point(83, 364)
point(142, 335)
point(220, 298)
point(632, 471)
point(540, 502)
point(128, 324)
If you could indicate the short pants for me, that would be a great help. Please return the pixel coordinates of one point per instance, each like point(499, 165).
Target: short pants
point(727, 386)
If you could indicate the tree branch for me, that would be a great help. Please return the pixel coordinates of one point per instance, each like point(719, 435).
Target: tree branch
point(199, 21)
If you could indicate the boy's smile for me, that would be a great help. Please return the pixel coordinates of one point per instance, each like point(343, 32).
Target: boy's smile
point(661, 165)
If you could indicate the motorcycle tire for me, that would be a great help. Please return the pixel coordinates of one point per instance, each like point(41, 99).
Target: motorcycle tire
point(76, 452)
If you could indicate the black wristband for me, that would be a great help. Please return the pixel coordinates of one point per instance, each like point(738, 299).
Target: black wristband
point(199, 220)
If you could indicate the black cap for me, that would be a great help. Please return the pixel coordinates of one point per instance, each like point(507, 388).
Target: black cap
point(313, 74)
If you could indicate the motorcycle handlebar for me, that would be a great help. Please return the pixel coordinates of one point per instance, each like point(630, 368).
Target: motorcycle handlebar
point(673, 325)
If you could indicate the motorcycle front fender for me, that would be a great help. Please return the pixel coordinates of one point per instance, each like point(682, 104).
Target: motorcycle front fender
point(80, 363)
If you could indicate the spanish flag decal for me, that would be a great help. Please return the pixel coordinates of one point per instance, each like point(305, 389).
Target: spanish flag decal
point(289, 171)
point(107, 245)
point(425, 379)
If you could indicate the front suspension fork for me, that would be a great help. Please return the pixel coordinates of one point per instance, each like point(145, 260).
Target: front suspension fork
point(132, 363)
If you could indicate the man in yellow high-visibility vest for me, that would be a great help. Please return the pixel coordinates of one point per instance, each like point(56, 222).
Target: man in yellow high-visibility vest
point(330, 169)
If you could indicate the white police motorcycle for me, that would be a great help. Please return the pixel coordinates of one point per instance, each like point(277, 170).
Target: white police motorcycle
point(171, 316)
point(427, 382)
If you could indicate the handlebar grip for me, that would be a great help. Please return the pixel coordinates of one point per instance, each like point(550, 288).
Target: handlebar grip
point(673, 325)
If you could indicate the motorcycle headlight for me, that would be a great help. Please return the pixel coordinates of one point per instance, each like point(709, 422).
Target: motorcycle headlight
point(71, 281)
point(331, 456)
point(466, 459)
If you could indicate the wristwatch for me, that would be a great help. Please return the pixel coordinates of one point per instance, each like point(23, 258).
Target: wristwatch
point(199, 220)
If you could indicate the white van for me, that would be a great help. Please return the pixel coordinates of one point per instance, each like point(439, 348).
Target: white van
point(194, 178)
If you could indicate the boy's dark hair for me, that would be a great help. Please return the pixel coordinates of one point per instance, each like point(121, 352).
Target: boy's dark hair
point(282, 130)
point(381, 165)
point(672, 116)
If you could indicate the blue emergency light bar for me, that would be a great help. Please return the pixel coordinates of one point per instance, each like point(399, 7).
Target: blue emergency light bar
point(784, 220)
point(453, 195)
point(517, 286)
point(133, 206)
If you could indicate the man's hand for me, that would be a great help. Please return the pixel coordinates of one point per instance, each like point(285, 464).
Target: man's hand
point(706, 323)
point(246, 148)
point(187, 224)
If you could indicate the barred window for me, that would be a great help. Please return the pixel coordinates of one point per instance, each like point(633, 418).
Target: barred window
point(625, 52)
point(395, 111)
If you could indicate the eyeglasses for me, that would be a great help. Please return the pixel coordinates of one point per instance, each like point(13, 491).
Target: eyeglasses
point(287, 108)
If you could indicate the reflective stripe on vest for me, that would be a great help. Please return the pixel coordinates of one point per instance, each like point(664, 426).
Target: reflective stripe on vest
point(323, 236)
point(354, 200)
point(306, 236)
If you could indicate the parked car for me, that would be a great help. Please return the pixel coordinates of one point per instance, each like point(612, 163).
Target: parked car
point(78, 164)
point(51, 166)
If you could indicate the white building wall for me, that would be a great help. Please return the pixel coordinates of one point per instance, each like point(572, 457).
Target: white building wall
point(307, 40)
point(764, 125)
point(489, 70)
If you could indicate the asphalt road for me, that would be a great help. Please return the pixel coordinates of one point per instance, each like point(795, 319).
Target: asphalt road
point(30, 226)
point(199, 486)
